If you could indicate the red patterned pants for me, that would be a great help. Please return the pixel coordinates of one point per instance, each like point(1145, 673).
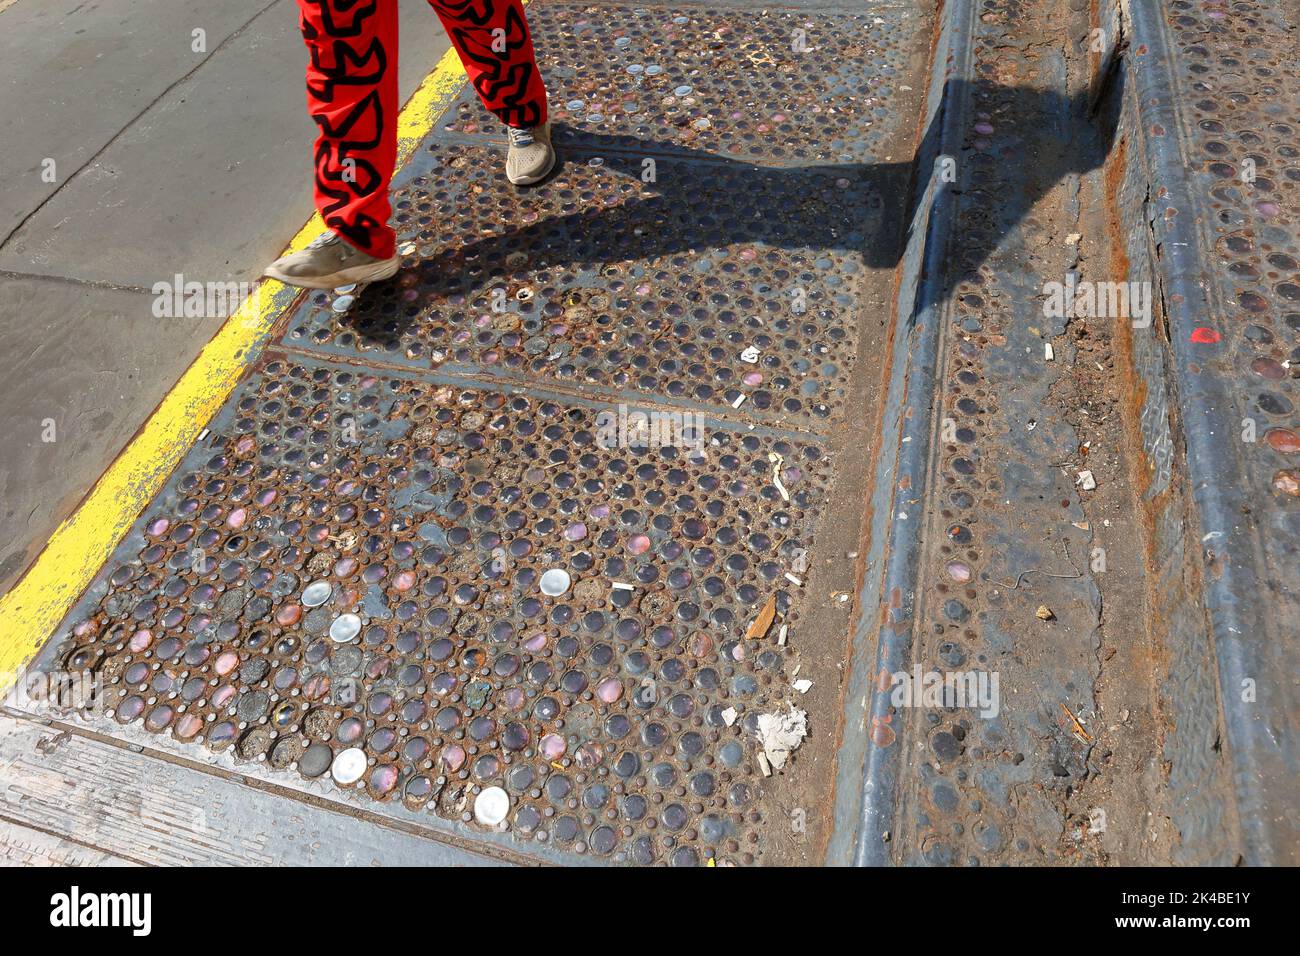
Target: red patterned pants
point(352, 96)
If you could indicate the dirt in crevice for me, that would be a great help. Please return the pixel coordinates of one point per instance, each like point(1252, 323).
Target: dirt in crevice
point(1117, 815)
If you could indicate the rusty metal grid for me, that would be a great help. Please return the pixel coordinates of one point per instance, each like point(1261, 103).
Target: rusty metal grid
point(777, 86)
point(1216, 106)
point(1237, 88)
point(430, 511)
point(418, 453)
point(987, 788)
point(602, 280)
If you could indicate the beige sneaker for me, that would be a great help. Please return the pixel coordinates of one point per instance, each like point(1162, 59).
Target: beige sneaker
point(328, 263)
point(531, 156)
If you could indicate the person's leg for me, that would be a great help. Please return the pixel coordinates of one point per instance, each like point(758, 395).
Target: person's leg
point(352, 96)
point(496, 48)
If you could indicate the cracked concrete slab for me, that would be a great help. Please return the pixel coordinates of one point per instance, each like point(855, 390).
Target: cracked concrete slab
point(207, 172)
point(80, 72)
point(214, 175)
point(94, 362)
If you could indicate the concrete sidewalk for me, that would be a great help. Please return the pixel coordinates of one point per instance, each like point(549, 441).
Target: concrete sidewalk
point(165, 161)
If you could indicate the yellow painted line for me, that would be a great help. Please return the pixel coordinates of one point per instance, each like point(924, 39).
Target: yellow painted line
point(79, 546)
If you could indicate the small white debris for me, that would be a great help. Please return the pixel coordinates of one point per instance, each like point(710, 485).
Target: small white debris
point(781, 733)
point(740, 400)
point(793, 580)
point(1048, 352)
point(803, 685)
point(1086, 481)
point(1033, 423)
point(316, 593)
point(763, 764)
point(344, 628)
point(750, 355)
point(620, 586)
point(349, 766)
point(1073, 239)
point(729, 716)
point(777, 461)
point(554, 582)
point(491, 807)
point(203, 434)
point(780, 638)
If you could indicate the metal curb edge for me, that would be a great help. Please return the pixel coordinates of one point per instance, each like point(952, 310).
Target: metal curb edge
point(1229, 574)
point(867, 766)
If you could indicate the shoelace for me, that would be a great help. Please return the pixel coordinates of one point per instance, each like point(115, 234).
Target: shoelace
point(520, 137)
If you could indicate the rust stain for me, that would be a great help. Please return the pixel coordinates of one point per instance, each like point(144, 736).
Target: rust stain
point(1132, 394)
point(882, 735)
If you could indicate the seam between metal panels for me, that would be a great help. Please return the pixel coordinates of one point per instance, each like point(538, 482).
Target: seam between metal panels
point(1202, 400)
point(866, 790)
point(468, 376)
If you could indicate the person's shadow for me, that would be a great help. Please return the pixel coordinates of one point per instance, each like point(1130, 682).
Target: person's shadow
point(861, 209)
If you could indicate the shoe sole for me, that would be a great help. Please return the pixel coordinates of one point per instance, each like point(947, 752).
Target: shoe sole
point(370, 272)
